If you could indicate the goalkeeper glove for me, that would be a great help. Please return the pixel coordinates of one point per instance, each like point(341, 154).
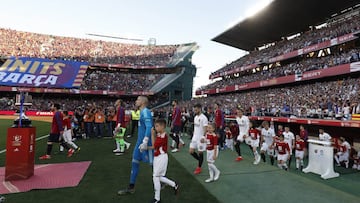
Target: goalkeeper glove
point(143, 146)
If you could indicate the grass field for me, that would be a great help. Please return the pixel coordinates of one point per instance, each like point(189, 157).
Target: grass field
point(239, 181)
point(105, 176)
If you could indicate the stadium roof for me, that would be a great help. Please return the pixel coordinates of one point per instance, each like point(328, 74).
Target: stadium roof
point(281, 18)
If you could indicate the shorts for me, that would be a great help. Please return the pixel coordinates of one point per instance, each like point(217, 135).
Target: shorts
point(240, 138)
point(146, 156)
point(210, 155)
point(343, 156)
point(67, 136)
point(248, 140)
point(254, 143)
point(176, 129)
point(160, 165)
point(196, 144)
point(282, 157)
point(299, 154)
point(266, 148)
point(54, 137)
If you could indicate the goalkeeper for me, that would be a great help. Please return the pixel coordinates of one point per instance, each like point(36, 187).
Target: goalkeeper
point(141, 151)
point(119, 133)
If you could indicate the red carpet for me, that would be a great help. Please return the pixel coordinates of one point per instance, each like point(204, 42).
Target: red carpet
point(46, 176)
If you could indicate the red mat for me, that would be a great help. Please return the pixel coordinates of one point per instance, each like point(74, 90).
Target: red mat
point(46, 176)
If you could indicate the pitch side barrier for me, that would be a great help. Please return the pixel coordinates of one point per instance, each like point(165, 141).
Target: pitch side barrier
point(303, 121)
point(47, 113)
point(336, 128)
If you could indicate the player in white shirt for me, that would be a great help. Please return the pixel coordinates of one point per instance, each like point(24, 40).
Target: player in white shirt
point(243, 123)
point(267, 140)
point(200, 125)
point(343, 153)
point(289, 138)
point(323, 136)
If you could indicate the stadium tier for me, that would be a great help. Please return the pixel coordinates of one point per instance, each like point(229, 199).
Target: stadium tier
point(27, 44)
point(311, 77)
point(95, 67)
point(307, 56)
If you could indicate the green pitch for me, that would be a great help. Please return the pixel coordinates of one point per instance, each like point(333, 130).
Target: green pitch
point(106, 175)
point(245, 182)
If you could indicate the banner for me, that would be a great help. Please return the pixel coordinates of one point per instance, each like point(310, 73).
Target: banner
point(309, 75)
point(71, 91)
point(304, 121)
point(38, 72)
point(305, 50)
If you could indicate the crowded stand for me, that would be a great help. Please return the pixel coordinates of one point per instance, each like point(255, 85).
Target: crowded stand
point(276, 70)
point(27, 44)
point(330, 99)
point(116, 81)
point(313, 36)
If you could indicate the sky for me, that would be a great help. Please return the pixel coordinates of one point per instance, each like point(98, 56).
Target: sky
point(168, 21)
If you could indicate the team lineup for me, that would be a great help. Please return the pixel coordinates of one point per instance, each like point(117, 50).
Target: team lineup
point(210, 138)
point(267, 141)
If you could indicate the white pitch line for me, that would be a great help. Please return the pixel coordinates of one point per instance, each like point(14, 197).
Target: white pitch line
point(39, 138)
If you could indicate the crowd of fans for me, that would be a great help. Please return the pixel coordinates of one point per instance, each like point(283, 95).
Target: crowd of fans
point(298, 67)
point(306, 39)
point(27, 44)
point(326, 100)
point(118, 81)
point(334, 99)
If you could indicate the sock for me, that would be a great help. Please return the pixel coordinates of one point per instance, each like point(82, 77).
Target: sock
point(172, 143)
point(256, 154)
point(167, 181)
point(195, 155)
point(297, 163)
point(175, 138)
point(201, 159)
point(279, 165)
point(251, 149)
point(301, 162)
point(65, 145)
point(211, 171)
point(290, 160)
point(117, 144)
point(157, 187)
point(182, 141)
point(263, 157)
point(337, 159)
point(61, 148)
point(134, 171)
point(131, 185)
point(284, 165)
point(213, 168)
point(73, 145)
point(237, 148)
point(122, 145)
point(272, 160)
point(49, 148)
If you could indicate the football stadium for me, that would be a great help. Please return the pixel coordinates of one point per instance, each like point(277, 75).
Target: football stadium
point(79, 117)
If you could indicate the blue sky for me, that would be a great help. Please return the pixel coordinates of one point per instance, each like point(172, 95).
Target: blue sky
point(169, 21)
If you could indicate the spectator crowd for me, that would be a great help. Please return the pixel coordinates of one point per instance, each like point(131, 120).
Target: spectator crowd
point(298, 67)
point(311, 37)
point(118, 81)
point(331, 99)
point(27, 44)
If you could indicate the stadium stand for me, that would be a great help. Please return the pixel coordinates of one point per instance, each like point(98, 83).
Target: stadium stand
point(115, 69)
point(311, 74)
point(27, 44)
point(311, 37)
